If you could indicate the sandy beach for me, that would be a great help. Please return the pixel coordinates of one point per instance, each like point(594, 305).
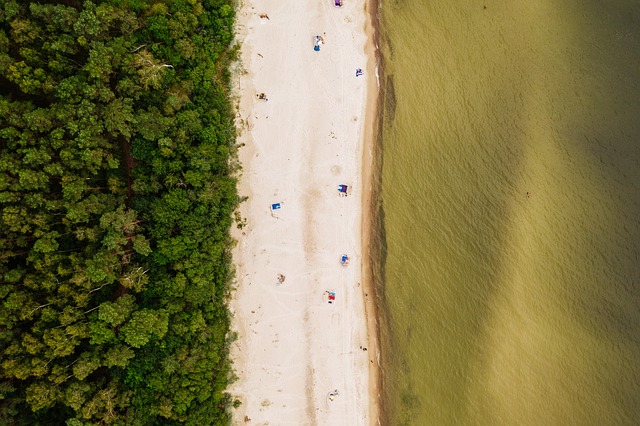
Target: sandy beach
point(300, 359)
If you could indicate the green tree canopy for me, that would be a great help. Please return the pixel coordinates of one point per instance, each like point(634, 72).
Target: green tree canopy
point(116, 197)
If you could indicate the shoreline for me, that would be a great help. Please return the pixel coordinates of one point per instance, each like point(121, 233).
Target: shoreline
point(370, 190)
point(316, 358)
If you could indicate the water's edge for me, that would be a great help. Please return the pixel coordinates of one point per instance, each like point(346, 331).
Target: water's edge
point(371, 219)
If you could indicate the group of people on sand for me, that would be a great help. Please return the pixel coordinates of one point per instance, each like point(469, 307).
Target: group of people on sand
point(344, 190)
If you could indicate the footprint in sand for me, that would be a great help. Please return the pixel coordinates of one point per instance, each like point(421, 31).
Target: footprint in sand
point(336, 170)
point(335, 319)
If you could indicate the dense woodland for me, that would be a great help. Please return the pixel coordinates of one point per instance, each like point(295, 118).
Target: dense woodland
point(116, 198)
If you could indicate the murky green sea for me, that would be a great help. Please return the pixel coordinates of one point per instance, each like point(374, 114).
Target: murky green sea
point(511, 194)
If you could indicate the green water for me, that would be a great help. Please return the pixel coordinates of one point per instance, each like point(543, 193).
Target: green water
point(504, 308)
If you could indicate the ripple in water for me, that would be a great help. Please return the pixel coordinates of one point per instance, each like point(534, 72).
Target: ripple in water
point(511, 194)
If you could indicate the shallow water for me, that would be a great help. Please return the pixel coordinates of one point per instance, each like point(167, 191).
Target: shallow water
point(511, 195)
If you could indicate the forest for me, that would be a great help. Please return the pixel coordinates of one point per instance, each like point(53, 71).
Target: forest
point(117, 192)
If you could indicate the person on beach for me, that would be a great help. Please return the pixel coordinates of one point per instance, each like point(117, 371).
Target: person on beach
point(343, 190)
point(331, 296)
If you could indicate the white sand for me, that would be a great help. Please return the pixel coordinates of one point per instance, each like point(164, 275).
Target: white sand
point(293, 347)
